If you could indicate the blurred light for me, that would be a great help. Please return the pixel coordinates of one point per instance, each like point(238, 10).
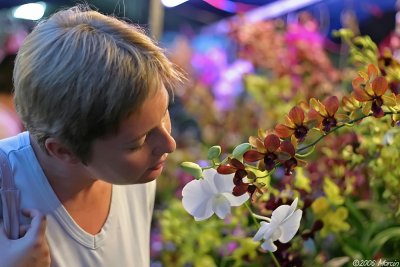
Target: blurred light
point(269, 11)
point(278, 8)
point(31, 11)
point(172, 3)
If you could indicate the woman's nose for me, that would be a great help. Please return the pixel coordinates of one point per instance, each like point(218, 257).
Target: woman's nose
point(165, 144)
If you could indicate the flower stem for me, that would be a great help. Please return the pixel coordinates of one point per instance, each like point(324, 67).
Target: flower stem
point(255, 217)
point(261, 217)
point(252, 214)
point(274, 259)
point(333, 130)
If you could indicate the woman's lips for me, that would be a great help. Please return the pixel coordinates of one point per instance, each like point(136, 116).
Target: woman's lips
point(158, 166)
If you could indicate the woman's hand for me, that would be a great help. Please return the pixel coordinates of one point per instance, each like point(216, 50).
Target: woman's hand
point(31, 249)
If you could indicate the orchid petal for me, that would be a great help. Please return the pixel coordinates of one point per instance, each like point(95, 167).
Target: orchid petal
point(200, 210)
point(269, 245)
point(290, 226)
point(342, 117)
point(357, 82)
point(361, 95)
point(237, 164)
point(331, 105)
point(283, 131)
point(208, 183)
point(349, 104)
point(314, 104)
point(272, 142)
point(296, 114)
point(257, 143)
point(221, 206)
point(287, 146)
point(204, 212)
point(196, 200)
point(367, 108)
point(260, 233)
point(252, 156)
point(237, 201)
point(262, 133)
point(283, 212)
point(389, 100)
point(372, 71)
point(363, 75)
point(213, 194)
point(314, 115)
point(226, 169)
point(288, 122)
point(379, 85)
point(223, 183)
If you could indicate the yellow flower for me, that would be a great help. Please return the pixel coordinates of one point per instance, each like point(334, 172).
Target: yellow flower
point(332, 192)
point(320, 206)
point(335, 222)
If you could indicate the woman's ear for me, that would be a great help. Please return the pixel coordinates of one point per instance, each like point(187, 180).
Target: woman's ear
point(60, 151)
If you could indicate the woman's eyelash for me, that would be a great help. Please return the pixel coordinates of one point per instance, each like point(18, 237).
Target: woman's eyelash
point(136, 147)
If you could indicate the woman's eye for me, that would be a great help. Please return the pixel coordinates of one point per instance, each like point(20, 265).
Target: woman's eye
point(139, 146)
point(135, 148)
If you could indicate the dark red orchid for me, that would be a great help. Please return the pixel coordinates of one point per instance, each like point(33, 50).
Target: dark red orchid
point(266, 150)
point(238, 168)
point(325, 113)
point(292, 162)
point(295, 124)
point(370, 89)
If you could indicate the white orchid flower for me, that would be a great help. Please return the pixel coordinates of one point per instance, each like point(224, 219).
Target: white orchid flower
point(282, 226)
point(212, 194)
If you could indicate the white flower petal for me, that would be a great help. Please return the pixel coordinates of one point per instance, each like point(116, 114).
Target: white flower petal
point(209, 179)
point(269, 245)
point(194, 187)
point(276, 234)
point(213, 193)
point(198, 209)
point(221, 206)
point(283, 212)
point(224, 182)
point(269, 233)
point(290, 226)
point(195, 199)
point(205, 213)
point(260, 233)
point(236, 201)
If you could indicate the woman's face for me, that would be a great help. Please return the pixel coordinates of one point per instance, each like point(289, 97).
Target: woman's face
point(136, 154)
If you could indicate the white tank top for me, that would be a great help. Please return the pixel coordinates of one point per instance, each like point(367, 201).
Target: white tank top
point(124, 240)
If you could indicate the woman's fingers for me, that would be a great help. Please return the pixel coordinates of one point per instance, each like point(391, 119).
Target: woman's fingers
point(37, 228)
point(23, 229)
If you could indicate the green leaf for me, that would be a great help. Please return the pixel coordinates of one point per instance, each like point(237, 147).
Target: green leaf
point(351, 247)
point(214, 152)
point(380, 239)
point(192, 168)
point(240, 150)
point(356, 214)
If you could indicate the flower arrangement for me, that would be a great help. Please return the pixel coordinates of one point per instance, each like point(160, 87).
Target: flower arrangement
point(319, 188)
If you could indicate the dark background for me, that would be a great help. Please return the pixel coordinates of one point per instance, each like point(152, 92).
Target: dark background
point(376, 17)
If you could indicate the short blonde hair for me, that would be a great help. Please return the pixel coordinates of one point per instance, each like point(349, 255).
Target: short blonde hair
point(79, 73)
